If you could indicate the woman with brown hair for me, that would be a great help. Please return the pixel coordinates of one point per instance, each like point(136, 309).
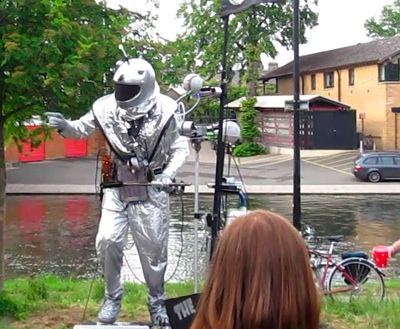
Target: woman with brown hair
point(260, 278)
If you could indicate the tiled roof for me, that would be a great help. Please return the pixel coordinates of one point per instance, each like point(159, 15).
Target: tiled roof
point(361, 54)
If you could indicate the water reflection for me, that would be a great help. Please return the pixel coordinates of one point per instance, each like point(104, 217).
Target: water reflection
point(55, 234)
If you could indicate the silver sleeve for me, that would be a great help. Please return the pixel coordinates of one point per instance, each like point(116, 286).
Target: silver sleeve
point(81, 128)
point(178, 151)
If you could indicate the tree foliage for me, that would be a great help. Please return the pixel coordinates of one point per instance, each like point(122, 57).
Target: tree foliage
point(250, 33)
point(57, 55)
point(249, 130)
point(207, 111)
point(388, 23)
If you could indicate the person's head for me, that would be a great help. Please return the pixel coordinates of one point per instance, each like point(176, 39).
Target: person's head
point(135, 84)
point(260, 278)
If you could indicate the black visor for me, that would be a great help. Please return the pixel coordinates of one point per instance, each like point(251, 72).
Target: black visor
point(126, 92)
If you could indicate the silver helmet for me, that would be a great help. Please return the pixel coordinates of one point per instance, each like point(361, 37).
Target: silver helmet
point(135, 83)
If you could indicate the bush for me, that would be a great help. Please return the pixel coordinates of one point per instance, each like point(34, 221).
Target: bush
point(249, 130)
point(248, 150)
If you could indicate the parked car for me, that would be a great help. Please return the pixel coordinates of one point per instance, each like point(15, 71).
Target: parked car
point(377, 166)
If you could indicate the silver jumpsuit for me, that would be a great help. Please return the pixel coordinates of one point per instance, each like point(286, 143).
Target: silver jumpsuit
point(148, 214)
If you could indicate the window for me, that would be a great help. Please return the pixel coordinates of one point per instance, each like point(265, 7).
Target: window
point(371, 161)
point(387, 161)
point(397, 160)
point(313, 82)
point(389, 72)
point(329, 79)
point(351, 77)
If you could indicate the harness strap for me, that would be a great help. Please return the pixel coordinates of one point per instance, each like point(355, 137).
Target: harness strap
point(160, 136)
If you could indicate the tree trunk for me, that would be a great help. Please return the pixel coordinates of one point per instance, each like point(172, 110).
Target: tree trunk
point(252, 82)
point(3, 184)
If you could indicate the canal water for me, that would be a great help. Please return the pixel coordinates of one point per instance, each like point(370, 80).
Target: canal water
point(55, 234)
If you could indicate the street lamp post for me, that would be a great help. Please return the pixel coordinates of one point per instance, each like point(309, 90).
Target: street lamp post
point(296, 118)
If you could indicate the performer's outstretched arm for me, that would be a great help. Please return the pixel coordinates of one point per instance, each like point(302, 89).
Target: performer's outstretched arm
point(81, 128)
point(76, 129)
point(178, 151)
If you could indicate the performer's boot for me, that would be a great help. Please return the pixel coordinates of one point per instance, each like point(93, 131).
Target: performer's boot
point(157, 310)
point(110, 311)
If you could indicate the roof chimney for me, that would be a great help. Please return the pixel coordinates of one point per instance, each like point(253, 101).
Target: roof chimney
point(272, 66)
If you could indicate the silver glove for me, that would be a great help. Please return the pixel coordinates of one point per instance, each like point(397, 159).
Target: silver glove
point(165, 180)
point(56, 120)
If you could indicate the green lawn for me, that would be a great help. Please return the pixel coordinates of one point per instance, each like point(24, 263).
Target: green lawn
point(59, 303)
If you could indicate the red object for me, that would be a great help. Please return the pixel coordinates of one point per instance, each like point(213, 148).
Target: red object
point(75, 148)
point(30, 154)
point(381, 256)
point(358, 168)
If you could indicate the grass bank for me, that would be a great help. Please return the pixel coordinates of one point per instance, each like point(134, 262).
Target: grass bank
point(58, 303)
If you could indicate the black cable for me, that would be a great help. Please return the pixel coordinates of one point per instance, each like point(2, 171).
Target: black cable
point(126, 260)
point(180, 252)
point(98, 193)
point(242, 180)
point(225, 206)
point(90, 291)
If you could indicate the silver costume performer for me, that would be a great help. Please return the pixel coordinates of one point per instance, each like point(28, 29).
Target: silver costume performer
point(142, 130)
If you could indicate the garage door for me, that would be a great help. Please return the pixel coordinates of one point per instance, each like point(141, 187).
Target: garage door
point(30, 154)
point(75, 148)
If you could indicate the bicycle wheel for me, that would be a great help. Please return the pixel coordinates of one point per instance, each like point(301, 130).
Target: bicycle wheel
point(356, 278)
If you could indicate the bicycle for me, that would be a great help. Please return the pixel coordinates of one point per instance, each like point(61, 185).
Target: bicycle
point(354, 272)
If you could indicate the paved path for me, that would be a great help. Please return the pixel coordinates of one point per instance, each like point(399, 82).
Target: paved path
point(270, 174)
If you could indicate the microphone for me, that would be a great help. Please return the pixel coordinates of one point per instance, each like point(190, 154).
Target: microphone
point(230, 131)
point(194, 84)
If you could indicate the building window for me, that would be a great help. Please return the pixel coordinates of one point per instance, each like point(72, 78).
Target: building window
point(329, 79)
point(313, 82)
point(351, 77)
point(389, 72)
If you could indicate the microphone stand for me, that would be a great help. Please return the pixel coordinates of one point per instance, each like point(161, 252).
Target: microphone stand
point(197, 136)
point(196, 144)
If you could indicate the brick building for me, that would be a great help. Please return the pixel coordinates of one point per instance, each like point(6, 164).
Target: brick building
point(56, 147)
point(366, 76)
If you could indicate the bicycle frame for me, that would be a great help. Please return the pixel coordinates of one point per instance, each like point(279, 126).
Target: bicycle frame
point(331, 262)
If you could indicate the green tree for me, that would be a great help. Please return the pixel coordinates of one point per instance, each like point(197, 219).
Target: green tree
point(251, 32)
point(388, 24)
point(249, 130)
point(56, 55)
point(207, 111)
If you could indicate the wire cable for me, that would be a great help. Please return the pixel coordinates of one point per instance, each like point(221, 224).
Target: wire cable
point(96, 270)
point(242, 180)
point(180, 251)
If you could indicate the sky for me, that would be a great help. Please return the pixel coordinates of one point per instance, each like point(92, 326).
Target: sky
point(341, 23)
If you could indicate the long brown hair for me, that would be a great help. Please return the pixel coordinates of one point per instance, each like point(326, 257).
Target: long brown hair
point(260, 278)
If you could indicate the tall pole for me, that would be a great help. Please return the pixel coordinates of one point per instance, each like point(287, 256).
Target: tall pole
point(219, 171)
point(296, 118)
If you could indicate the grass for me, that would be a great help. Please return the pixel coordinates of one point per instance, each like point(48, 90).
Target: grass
point(59, 303)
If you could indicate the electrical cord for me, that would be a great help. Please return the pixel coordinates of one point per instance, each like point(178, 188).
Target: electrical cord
point(95, 274)
point(180, 251)
point(96, 270)
point(242, 180)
